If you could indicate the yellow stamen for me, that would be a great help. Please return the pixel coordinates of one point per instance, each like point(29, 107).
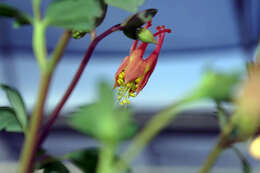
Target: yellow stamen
point(128, 85)
point(120, 81)
point(138, 80)
point(132, 94)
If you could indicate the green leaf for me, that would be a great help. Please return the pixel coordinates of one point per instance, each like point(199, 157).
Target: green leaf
point(86, 159)
point(133, 23)
point(244, 163)
point(18, 106)
point(128, 5)
point(53, 165)
point(79, 15)
point(11, 12)
point(102, 119)
point(217, 86)
point(8, 120)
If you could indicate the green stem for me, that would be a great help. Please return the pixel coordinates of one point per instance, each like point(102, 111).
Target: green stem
point(32, 140)
point(212, 158)
point(106, 158)
point(223, 143)
point(29, 149)
point(36, 9)
point(59, 50)
point(153, 127)
point(39, 44)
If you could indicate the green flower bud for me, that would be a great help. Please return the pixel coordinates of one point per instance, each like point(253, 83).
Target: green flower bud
point(145, 35)
point(78, 34)
point(247, 115)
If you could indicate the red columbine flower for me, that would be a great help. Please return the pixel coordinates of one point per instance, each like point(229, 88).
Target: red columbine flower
point(134, 72)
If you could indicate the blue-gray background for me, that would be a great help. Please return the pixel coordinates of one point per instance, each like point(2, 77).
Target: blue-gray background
point(216, 33)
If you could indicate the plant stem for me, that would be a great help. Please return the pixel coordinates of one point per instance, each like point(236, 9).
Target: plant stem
point(36, 9)
point(106, 158)
point(32, 139)
point(153, 127)
point(39, 45)
point(29, 149)
point(75, 80)
point(223, 143)
point(59, 50)
point(212, 158)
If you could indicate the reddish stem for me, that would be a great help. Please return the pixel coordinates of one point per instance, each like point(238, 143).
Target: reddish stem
point(75, 80)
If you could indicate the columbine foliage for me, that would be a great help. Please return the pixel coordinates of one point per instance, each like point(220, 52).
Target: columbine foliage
point(20, 17)
point(102, 119)
point(86, 159)
point(218, 86)
point(8, 120)
point(72, 14)
point(129, 5)
point(18, 106)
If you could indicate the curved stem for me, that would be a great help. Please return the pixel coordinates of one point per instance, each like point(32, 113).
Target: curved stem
point(29, 149)
point(31, 142)
point(75, 80)
point(212, 158)
point(153, 127)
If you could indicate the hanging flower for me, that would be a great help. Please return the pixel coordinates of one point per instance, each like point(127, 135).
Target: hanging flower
point(134, 72)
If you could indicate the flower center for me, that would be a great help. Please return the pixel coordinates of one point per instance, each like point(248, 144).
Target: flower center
point(126, 90)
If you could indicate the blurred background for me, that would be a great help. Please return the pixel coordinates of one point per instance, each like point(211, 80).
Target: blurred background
point(221, 34)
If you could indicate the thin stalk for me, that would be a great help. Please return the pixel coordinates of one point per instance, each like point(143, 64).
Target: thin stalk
point(75, 80)
point(36, 9)
point(29, 149)
point(39, 44)
point(222, 144)
point(106, 158)
point(31, 143)
point(212, 158)
point(59, 50)
point(154, 126)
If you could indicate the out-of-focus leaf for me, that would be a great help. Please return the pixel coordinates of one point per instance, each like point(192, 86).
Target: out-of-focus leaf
point(78, 34)
point(245, 164)
point(217, 86)
point(85, 159)
point(102, 120)
point(133, 23)
point(52, 165)
point(128, 5)
point(8, 120)
point(79, 15)
point(20, 17)
point(18, 106)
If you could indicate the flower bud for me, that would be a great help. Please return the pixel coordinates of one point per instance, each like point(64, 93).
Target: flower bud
point(247, 116)
point(145, 35)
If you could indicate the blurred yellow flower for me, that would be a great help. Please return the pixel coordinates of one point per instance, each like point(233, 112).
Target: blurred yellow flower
point(254, 148)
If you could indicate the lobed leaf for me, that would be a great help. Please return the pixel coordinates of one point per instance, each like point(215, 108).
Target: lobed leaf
point(217, 86)
point(128, 5)
point(86, 159)
point(20, 17)
point(18, 106)
point(102, 120)
point(8, 120)
point(79, 15)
